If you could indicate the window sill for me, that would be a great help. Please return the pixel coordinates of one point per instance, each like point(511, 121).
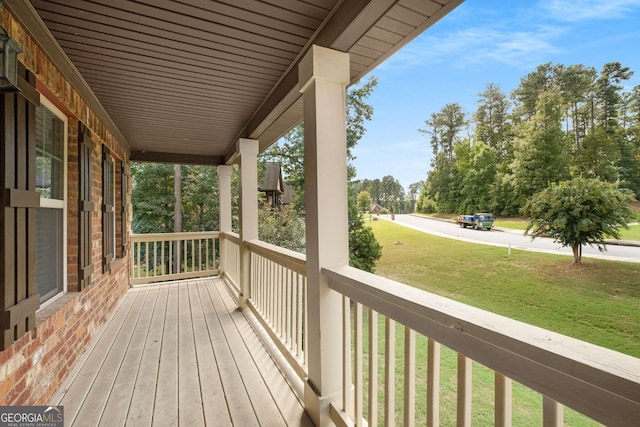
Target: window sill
point(52, 306)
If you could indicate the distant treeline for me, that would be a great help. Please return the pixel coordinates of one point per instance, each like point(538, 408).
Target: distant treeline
point(560, 122)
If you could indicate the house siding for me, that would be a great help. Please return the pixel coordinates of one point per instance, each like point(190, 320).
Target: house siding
point(33, 367)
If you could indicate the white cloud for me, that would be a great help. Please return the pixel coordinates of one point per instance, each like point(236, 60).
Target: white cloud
point(521, 47)
point(522, 39)
point(582, 10)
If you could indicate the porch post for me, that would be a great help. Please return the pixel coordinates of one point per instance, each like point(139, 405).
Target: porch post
point(224, 202)
point(248, 149)
point(323, 74)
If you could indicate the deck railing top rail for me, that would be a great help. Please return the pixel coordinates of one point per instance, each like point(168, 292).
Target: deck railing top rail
point(601, 383)
point(292, 260)
point(158, 237)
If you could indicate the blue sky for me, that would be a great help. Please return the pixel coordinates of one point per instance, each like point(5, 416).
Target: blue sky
point(481, 42)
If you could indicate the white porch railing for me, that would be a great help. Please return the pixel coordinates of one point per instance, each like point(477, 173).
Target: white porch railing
point(387, 318)
point(173, 256)
point(230, 263)
point(278, 299)
point(600, 383)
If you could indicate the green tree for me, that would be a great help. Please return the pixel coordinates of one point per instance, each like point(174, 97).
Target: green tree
point(576, 83)
point(152, 198)
point(528, 92)
point(364, 201)
point(392, 196)
point(282, 227)
point(200, 204)
point(364, 249)
point(479, 178)
point(608, 94)
point(541, 155)
point(491, 120)
point(578, 212)
point(414, 191)
point(444, 128)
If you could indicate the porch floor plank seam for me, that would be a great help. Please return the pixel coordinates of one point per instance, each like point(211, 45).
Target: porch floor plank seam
point(291, 410)
point(178, 353)
point(73, 391)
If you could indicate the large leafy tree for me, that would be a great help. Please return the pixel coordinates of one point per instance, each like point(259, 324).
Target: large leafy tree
point(578, 212)
point(491, 120)
point(364, 201)
point(392, 193)
point(541, 153)
point(364, 249)
point(282, 227)
point(152, 198)
point(444, 128)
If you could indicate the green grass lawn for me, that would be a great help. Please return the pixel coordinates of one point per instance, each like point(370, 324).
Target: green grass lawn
point(632, 233)
point(598, 302)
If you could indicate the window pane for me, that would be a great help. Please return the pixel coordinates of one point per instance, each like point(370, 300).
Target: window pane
point(49, 252)
point(50, 154)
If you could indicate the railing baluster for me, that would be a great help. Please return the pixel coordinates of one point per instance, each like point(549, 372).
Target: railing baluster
point(164, 271)
point(552, 413)
point(347, 382)
point(433, 383)
point(272, 289)
point(389, 370)
point(206, 255)
point(373, 368)
point(300, 310)
point(409, 377)
point(358, 365)
point(193, 255)
point(147, 260)
point(464, 391)
point(304, 320)
point(503, 401)
point(259, 281)
point(289, 307)
point(280, 299)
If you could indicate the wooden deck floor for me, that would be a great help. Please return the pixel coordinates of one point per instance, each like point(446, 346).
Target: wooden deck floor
point(178, 354)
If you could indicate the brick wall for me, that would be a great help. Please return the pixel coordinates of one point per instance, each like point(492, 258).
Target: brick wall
point(36, 364)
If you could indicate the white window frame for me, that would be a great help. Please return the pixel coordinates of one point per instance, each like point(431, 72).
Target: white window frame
point(59, 204)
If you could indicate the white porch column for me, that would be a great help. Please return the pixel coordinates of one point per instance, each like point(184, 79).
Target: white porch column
point(323, 75)
point(248, 149)
point(224, 202)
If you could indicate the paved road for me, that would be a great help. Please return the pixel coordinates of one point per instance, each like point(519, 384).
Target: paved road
point(516, 239)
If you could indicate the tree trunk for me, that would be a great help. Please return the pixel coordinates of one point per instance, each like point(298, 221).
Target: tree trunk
point(577, 253)
point(177, 213)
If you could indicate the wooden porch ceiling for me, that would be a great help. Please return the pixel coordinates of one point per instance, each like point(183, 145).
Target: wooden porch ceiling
point(190, 77)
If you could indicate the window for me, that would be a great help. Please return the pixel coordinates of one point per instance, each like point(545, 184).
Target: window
point(51, 217)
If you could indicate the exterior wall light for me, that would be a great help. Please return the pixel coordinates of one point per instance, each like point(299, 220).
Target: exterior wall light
point(9, 51)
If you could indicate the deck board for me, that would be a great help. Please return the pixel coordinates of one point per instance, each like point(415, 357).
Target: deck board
point(120, 398)
point(265, 408)
point(141, 406)
point(77, 385)
point(165, 411)
point(178, 353)
point(103, 383)
point(215, 405)
point(189, 395)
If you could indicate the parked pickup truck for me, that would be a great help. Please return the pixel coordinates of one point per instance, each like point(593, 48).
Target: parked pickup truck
point(478, 221)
